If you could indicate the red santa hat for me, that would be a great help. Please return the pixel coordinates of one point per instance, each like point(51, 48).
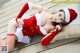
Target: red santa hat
point(70, 14)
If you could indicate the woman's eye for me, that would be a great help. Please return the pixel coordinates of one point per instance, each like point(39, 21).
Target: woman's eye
point(60, 15)
point(61, 19)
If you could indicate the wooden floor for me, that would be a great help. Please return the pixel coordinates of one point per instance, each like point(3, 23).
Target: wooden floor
point(11, 8)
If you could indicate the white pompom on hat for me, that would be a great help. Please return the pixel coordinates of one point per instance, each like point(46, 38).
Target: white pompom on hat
point(70, 14)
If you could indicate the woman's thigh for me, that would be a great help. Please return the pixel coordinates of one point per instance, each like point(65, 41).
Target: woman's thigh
point(12, 25)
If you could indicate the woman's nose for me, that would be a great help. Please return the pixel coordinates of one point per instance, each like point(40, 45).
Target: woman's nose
point(55, 16)
point(58, 18)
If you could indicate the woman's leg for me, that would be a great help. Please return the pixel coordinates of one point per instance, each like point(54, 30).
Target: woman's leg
point(9, 42)
point(11, 37)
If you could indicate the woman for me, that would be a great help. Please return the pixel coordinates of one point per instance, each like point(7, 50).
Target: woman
point(44, 23)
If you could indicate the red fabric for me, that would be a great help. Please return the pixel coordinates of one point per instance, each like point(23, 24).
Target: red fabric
point(38, 30)
point(11, 35)
point(46, 40)
point(23, 10)
point(73, 15)
point(30, 27)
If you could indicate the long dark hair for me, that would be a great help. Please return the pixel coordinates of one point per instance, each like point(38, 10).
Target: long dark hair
point(55, 23)
point(62, 24)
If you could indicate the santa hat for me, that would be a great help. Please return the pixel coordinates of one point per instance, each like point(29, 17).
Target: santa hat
point(70, 14)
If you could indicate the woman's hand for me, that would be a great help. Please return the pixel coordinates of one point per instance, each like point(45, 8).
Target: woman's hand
point(20, 22)
point(59, 27)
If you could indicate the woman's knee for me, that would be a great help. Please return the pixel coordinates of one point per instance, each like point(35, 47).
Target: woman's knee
point(12, 22)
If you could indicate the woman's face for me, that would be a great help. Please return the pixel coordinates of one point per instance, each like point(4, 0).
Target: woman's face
point(58, 17)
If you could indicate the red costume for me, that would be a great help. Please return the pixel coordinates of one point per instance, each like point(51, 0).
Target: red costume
point(31, 25)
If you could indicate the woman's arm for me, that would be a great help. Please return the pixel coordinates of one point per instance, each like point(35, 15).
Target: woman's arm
point(49, 37)
point(30, 5)
point(26, 7)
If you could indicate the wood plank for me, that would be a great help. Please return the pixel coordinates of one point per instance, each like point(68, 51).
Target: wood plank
point(7, 9)
point(3, 29)
point(3, 35)
point(3, 1)
point(12, 8)
point(74, 6)
point(17, 4)
point(9, 3)
point(68, 48)
point(36, 48)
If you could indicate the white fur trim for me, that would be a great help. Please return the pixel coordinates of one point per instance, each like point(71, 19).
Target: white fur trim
point(38, 18)
point(48, 35)
point(21, 38)
point(30, 5)
point(67, 14)
point(43, 30)
point(26, 39)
